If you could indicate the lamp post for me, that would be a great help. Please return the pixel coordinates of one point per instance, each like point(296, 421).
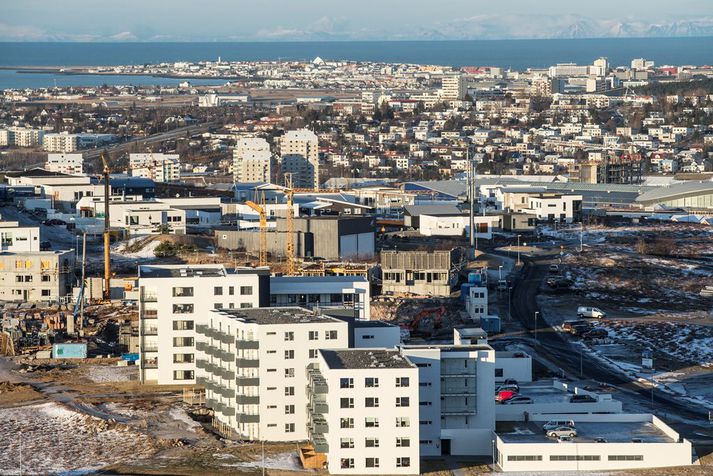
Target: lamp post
point(537, 314)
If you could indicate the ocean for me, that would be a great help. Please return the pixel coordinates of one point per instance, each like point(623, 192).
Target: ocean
point(516, 54)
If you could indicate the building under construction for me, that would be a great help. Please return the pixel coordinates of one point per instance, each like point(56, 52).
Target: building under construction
point(36, 276)
point(428, 273)
point(625, 170)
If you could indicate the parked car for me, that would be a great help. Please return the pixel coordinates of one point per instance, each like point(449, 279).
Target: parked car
point(518, 400)
point(511, 381)
point(53, 222)
point(582, 399)
point(552, 424)
point(559, 283)
point(554, 269)
point(580, 329)
point(567, 326)
point(562, 431)
point(596, 334)
point(595, 312)
point(505, 395)
point(600, 440)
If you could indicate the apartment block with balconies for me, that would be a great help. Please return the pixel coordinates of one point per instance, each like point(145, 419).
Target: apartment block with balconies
point(171, 298)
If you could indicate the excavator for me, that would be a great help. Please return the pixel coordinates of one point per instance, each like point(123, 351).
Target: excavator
point(426, 321)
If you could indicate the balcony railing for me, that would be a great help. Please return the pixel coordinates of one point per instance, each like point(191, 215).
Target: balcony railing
point(149, 363)
point(149, 314)
point(149, 331)
point(247, 399)
point(149, 348)
point(248, 418)
point(247, 363)
point(247, 344)
point(320, 445)
point(149, 297)
point(247, 381)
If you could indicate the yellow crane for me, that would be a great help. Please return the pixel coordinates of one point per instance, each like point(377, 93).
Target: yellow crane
point(291, 265)
point(262, 257)
point(106, 295)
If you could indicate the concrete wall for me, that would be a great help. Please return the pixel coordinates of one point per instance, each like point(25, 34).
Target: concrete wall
point(518, 368)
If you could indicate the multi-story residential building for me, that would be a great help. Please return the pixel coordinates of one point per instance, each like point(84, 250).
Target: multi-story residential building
point(419, 272)
point(18, 239)
point(21, 137)
point(62, 142)
point(70, 164)
point(157, 167)
point(364, 411)
point(251, 160)
point(36, 276)
point(555, 206)
point(172, 297)
point(299, 151)
point(253, 364)
point(453, 87)
point(330, 292)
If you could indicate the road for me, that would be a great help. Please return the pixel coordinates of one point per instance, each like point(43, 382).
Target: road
point(554, 347)
point(153, 139)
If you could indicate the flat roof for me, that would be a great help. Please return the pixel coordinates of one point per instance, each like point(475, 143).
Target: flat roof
point(277, 315)
point(587, 432)
point(450, 347)
point(366, 359)
point(182, 271)
point(318, 279)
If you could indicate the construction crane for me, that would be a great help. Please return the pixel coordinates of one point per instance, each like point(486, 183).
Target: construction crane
point(263, 227)
point(106, 295)
point(291, 268)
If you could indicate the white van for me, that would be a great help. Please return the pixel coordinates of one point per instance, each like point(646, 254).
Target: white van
point(583, 311)
point(552, 424)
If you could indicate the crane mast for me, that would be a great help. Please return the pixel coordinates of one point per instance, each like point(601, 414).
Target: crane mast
point(106, 294)
point(291, 271)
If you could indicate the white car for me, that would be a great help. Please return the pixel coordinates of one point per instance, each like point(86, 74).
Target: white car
point(595, 312)
point(552, 424)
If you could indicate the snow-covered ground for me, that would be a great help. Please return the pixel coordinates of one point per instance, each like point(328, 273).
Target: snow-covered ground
point(111, 373)
point(50, 438)
point(284, 461)
point(146, 244)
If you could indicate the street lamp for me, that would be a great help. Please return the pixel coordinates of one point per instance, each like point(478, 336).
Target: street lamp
point(537, 314)
point(500, 273)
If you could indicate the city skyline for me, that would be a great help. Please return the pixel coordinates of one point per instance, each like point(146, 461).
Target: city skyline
point(276, 20)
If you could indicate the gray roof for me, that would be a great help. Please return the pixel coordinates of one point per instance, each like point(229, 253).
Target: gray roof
point(435, 210)
point(366, 359)
point(674, 191)
point(277, 315)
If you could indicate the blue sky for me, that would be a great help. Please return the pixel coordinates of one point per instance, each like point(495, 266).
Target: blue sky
point(210, 20)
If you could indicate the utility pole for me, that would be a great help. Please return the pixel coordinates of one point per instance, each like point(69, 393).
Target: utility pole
point(83, 288)
point(471, 198)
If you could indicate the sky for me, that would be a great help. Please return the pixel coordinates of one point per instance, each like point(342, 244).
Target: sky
point(289, 20)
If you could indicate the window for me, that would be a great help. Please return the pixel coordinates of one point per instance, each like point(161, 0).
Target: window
point(371, 402)
point(346, 423)
point(182, 325)
point(371, 442)
point(46, 293)
point(183, 308)
point(626, 457)
point(498, 372)
point(367, 337)
point(218, 291)
point(313, 353)
point(182, 375)
point(426, 403)
point(182, 358)
point(346, 443)
point(289, 336)
point(246, 305)
point(525, 458)
point(331, 335)
point(289, 354)
point(402, 422)
point(372, 462)
point(574, 457)
point(313, 335)
point(289, 391)
point(289, 373)
point(231, 290)
point(402, 382)
point(347, 463)
point(183, 341)
point(346, 402)
point(425, 422)
point(182, 292)
point(403, 462)
point(403, 442)
point(371, 422)
point(402, 401)
point(289, 409)
point(246, 290)
point(218, 305)
point(371, 382)
point(346, 382)
point(46, 278)
point(289, 427)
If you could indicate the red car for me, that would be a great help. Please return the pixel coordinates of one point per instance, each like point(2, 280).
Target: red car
point(505, 395)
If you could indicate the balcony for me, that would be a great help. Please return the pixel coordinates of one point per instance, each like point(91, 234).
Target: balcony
point(458, 410)
point(318, 426)
point(247, 381)
point(201, 364)
point(149, 314)
point(247, 400)
point(149, 363)
point(201, 381)
point(149, 297)
point(458, 392)
point(201, 329)
point(248, 418)
point(149, 347)
point(318, 408)
point(226, 374)
point(247, 344)
point(457, 372)
point(320, 445)
point(149, 331)
point(226, 356)
point(226, 338)
point(201, 346)
point(228, 411)
point(247, 363)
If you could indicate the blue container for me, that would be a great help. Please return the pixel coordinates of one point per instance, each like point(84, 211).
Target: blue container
point(133, 357)
point(465, 291)
point(69, 350)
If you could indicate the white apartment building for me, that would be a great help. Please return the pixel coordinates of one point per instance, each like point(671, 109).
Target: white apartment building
point(172, 298)
point(554, 206)
point(157, 167)
point(299, 151)
point(253, 364)
point(252, 160)
point(22, 137)
point(70, 164)
point(364, 411)
point(62, 142)
point(18, 239)
point(456, 388)
point(453, 87)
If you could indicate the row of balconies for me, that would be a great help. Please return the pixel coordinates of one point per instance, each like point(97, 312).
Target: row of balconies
point(216, 387)
point(317, 383)
point(220, 336)
point(217, 406)
point(317, 427)
point(317, 408)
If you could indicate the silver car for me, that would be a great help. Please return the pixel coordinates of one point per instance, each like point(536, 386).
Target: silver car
point(561, 431)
